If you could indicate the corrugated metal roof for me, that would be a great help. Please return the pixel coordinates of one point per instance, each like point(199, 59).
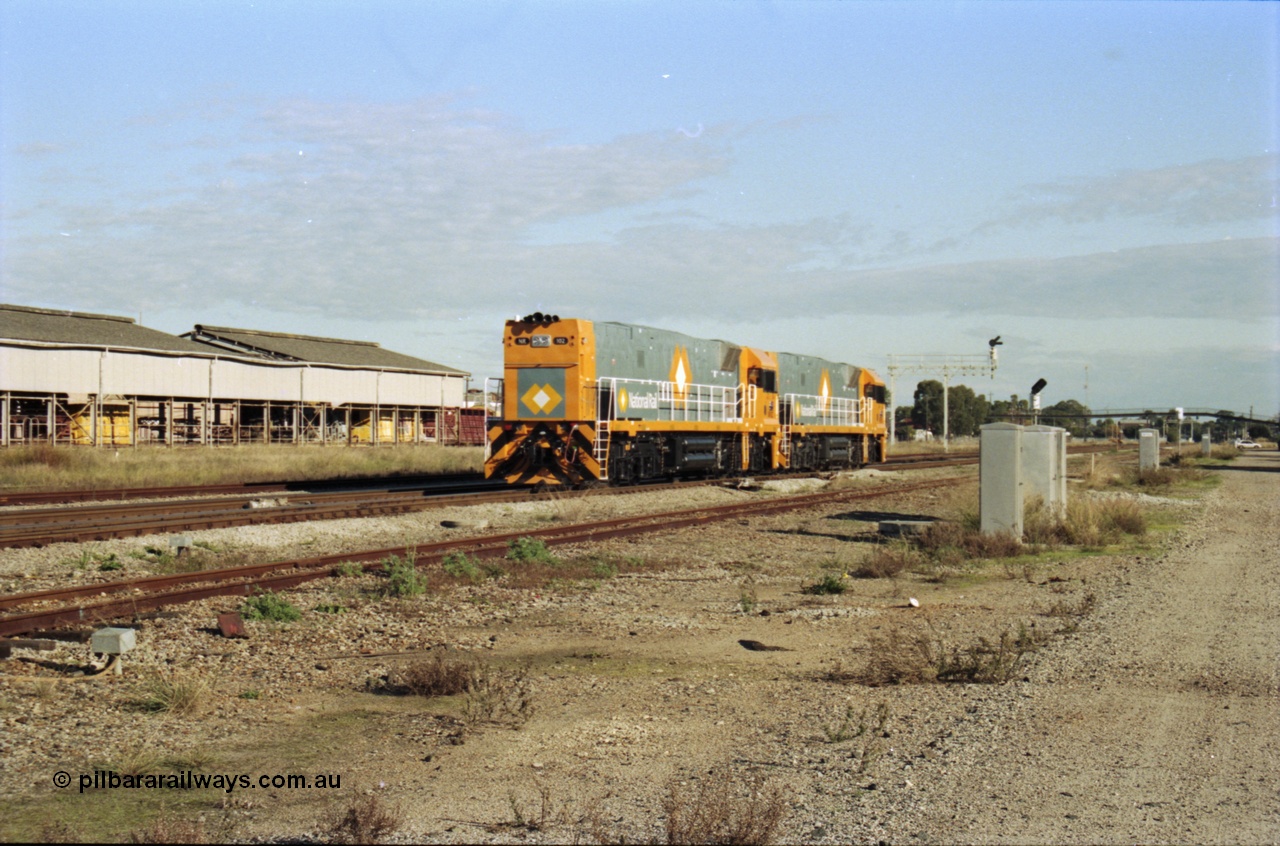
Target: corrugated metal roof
point(21, 323)
point(285, 347)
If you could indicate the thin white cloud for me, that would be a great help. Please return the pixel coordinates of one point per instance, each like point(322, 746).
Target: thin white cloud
point(37, 149)
point(386, 211)
point(1206, 192)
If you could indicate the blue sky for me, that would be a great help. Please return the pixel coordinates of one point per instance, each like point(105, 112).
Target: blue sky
point(1095, 182)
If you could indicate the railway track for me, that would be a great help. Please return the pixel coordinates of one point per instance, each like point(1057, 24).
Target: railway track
point(244, 489)
point(39, 610)
point(286, 502)
point(83, 523)
point(250, 490)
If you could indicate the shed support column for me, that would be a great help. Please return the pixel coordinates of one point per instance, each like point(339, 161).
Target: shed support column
point(4, 421)
point(51, 416)
point(266, 422)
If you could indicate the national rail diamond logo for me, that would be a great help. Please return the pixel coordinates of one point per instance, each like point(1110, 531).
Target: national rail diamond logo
point(541, 399)
point(825, 390)
point(681, 373)
point(623, 400)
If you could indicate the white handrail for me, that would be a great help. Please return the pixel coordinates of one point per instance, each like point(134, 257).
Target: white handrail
point(696, 403)
point(826, 411)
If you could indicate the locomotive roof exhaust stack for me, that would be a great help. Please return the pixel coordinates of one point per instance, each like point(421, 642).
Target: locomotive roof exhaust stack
point(538, 318)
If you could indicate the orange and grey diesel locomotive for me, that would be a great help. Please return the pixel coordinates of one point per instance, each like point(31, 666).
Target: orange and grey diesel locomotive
point(620, 403)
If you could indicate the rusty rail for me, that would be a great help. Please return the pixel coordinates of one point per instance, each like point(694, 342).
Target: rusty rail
point(152, 592)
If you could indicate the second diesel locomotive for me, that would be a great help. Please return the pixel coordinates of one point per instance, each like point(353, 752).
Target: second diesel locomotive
point(620, 403)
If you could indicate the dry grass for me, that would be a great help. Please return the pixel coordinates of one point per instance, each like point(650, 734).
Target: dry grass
point(888, 561)
point(59, 831)
point(440, 674)
point(135, 760)
point(722, 809)
point(44, 467)
point(541, 817)
point(895, 657)
point(902, 656)
point(499, 698)
point(945, 548)
point(186, 694)
point(169, 829)
point(365, 819)
point(1087, 523)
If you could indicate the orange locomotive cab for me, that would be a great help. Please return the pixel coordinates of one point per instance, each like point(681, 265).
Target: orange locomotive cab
point(548, 403)
point(760, 445)
point(875, 415)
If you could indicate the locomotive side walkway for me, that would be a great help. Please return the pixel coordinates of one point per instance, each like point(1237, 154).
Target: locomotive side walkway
point(1161, 725)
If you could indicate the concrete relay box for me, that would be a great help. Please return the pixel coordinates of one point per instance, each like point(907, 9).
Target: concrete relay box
point(112, 641)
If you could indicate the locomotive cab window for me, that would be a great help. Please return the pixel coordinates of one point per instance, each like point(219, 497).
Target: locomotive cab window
point(765, 380)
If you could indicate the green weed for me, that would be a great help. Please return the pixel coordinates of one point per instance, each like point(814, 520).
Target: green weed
point(831, 584)
point(530, 550)
point(269, 606)
point(462, 566)
point(403, 579)
point(348, 569)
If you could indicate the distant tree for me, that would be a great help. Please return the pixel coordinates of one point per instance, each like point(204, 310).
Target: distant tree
point(1008, 411)
point(1077, 425)
point(1106, 429)
point(966, 410)
point(926, 412)
point(903, 430)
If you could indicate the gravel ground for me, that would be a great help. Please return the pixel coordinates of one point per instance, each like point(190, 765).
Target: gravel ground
point(1151, 718)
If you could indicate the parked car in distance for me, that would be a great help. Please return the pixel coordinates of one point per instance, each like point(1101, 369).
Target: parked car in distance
point(1245, 443)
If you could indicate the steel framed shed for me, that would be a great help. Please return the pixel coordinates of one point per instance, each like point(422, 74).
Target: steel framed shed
point(103, 380)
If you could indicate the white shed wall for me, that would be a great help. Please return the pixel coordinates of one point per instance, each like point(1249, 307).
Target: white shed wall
point(235, 379)
point(48, 371)
point(139, 374)
point(52, 370)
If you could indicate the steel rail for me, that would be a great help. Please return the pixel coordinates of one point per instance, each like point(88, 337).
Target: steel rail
point(152, 592)
point(247, 489)
point(259, 489)
point(82, 523)
point(91, 523)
